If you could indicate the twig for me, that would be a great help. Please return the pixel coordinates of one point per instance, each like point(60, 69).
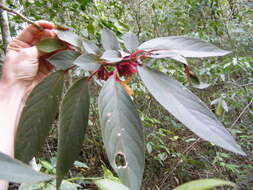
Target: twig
point(243, 111)
point(21, 16)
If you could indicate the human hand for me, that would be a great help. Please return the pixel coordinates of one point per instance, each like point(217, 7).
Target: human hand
point(23, 64)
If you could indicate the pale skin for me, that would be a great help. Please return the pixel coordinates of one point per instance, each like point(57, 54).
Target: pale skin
point(23, 69)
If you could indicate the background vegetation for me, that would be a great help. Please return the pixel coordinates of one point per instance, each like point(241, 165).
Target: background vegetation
point(174, 155)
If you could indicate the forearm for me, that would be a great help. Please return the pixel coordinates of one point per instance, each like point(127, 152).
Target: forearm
point(11, 105)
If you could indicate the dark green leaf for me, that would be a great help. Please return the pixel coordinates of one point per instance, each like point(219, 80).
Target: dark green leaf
point(131, 41)
point(122, 133)
point(38, 116)
point(63, 60)
point(91, 48)
point(72, 125)
point(185, 46)
point(109, 40)
point(15, 171)
point(50, 45)
point(107, 184)
point(204, 184)
point(69, 37)
point(87, 62)
point(112, 56)
point(187, 108)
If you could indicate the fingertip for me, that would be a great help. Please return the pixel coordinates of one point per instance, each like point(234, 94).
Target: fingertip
point(46, 24)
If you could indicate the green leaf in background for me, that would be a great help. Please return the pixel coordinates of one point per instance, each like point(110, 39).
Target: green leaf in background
point(38, 116)
point(87, 62)
point(112, 56)
point(107, 184)
point(91, 47)
point(204, 184)
point(69, 37)
point(63, 60)
point(109, 40)
point(74, 115)
point(187, 108)
point(131, 41)
point(49, 45)
point(15, 171)
point(185, 46)
point(122, 133)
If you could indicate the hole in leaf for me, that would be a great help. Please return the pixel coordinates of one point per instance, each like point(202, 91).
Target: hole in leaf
point(120, 160)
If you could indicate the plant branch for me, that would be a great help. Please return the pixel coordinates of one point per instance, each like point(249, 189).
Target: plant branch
point(243, 111)
point(6, 36)
point(21, 16)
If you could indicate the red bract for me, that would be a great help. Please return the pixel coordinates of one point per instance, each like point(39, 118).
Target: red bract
point(127, 68)
point(103, 74)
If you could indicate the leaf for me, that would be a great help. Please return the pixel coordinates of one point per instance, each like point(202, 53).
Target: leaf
point(201, 85)
point(168, 54)
point(38, 116)
point(87, 62)
point(15, 171)
point(49, 45)
point(107, 184)
point(91, 48)
point(112, 56)
point(69, 37)
point(122, 133)
point(63, 60)
point(204, 184)
point(73, 121)
point(109, 40)
point(131, 41)
point(185, 46)
point(187, 108)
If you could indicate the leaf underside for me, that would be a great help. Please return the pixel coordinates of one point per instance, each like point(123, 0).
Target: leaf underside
point(15, 171)
point(87, 62)
point(122, 133)
point(185, 46)
point(187, 108)
point(38, 116)
point(109, 40)
point(69, 37)
point(74, 115)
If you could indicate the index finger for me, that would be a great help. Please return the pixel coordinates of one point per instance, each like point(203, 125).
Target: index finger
point(29, 34)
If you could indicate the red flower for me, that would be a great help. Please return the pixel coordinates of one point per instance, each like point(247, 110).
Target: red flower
point(127, 68)
point(103, 74)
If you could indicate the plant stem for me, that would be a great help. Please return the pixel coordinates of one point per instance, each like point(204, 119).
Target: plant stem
point(21, 16)
point(6, 36)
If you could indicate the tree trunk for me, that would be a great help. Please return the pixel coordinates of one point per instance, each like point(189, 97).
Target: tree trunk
point(6, 36)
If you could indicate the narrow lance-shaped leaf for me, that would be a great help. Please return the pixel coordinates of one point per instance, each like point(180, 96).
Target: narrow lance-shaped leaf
point(50, 45)
point(15, 171)
point(122, 133)
point(38, 116)
point(87, 62)
point(74, 114)
point(187, 108)
point(63, 60)
point(109, 40)
point(204, 184)
point(131, 41)
point(185, 46)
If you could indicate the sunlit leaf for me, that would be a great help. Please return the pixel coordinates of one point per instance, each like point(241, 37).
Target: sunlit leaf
point(107, 184)
point(38, 116)
point(167, 54)
point(69, 37)
point(63, 60)
point(87, 62)
point(131, 41)
point(49, 45)
point(74, 114)
point(185, 46)
point(90, 47)
point(15, 171)
point(112, 56)
point(187, 108)
point(204, 184)
point(109, 40)
point(122, 133)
